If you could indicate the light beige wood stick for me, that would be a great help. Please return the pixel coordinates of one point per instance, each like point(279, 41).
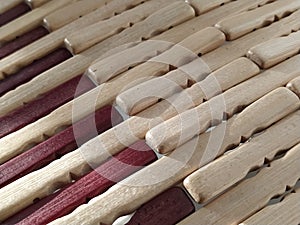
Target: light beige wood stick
point(222, 173)
point(285, 212)
point(176, 12)
point(36, 3)
point(71, 12)
point(39, 184)
point(248, 197)
point(182, 53)
point(205, 5)
point(30, 20)
point(36, 50)
point(7, 5)
point(276, 50)
point(294, 85)
point(245, 22)
point(183, 127)
point(148, 93)
point(49, 43)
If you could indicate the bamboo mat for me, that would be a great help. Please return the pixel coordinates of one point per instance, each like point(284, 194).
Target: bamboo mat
point(150, 112)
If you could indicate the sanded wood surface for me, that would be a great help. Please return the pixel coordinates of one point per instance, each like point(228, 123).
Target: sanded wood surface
point(284, 213)
point(206, 5)
point(294, 85)
point(248, 197)
point(36, 3)
point(222, 173)
point(241, 24)
point(71, 12)
point(275, 50)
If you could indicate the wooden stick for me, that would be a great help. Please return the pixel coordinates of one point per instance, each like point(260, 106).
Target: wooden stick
point(285, 212)
point(29, 21)
point(13, 14)
point(68, 70)
point(36, 3)
point(186, 125)
point(248, 197)
point(72, 12)
point(7, 5)
point(224, 172)
point(163, 87)
point(244, 23)
point(276, 50)
point(177, 12)
point(294, 85)
point(55, 39)
point(203, 6)
point(41, 184)
point(186, 50)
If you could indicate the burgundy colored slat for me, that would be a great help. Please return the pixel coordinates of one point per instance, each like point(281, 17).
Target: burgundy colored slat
point(167, 208)
point(42, 106)
point(34, 69)
point(22, 41)
point(122, 165)
point(13, 13)
point(60, 143)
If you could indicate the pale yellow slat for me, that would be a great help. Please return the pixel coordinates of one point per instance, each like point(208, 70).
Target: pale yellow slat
point(294, 85)
point(224, 172)
point(40, 183)
point(71, 12)
point(276, 50)
point(36, 3)
point(172, 15)
point(286, 212)
point(49, 80)
point(241, 24)
point(30, 20)
point(182, 53)
point(7, 5)
point(49, 43)
point(251, 195)
point(148, 93)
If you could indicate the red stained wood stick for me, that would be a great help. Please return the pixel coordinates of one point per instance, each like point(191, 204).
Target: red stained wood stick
point(59, 144)
point(117, 168)
point(13, 13)
point(22, 41)
point(34, 69)
point(167, 208)
point(42, 106)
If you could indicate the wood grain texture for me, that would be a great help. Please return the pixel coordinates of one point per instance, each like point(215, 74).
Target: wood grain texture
point(203, 6)
point(123, 164)
point(7, 5)
point(29, 21)
point(243, 23)
point(13, 13)
point(167, 208)
point(22, 41)
point(186, 125)
point(150, 92)
point(34, 69)
point(71, 69)
point(155, 21)
point(44, 105)
point(248, 197)
point(72, 12)
point(284, 213)
point(60, 144)
point(294, 85)
point(222, 173)
point(275, 50)
point(55, 39)
point(172, 54)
